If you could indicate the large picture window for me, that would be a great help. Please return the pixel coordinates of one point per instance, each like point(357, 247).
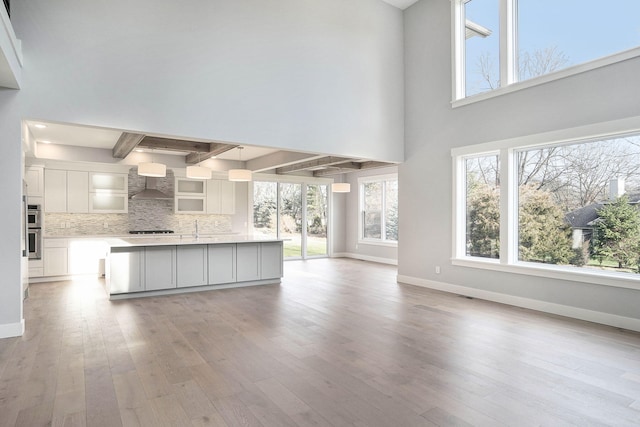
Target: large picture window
point(501, 42)
point(379, 209)
point(578, 204)
point(572, 205)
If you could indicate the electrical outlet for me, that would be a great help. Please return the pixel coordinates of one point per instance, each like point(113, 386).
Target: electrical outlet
point(437, 269)
point(68, 224)
point(105, 225)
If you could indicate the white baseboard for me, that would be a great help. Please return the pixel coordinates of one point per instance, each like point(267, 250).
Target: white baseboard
point(389, 261)
point(9, 330)
point(630, 323)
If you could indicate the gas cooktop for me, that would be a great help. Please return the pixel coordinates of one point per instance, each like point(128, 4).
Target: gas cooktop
point(150, 231)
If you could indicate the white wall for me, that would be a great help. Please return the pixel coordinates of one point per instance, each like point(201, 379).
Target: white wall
point(433, 127)
point(11, 165)
point(305, 75)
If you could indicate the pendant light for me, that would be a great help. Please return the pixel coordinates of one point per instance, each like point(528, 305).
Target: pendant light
point(198, 172)
point(340, 187)
point(240, 175)
point(156, 170)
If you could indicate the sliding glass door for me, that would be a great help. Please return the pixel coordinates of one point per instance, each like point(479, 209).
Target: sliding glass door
point(290, 219)
point(265, 208)
point(280, 210)
point(316, 221)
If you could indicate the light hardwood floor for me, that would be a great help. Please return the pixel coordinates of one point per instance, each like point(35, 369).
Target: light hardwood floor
point(338, 343)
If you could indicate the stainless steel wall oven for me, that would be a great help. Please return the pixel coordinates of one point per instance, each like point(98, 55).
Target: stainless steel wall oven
point(34, 231)
point(34, 216)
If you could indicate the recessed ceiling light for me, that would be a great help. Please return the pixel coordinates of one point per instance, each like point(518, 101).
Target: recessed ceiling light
point(40, 126)
point(45, 141)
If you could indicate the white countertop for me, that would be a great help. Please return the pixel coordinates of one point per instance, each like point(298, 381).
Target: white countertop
point(133, 236)
point(164, 240)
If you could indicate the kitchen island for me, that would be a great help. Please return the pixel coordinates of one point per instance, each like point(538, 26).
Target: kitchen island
point(149, 266)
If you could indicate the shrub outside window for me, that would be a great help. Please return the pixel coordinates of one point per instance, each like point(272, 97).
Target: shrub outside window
point(482, 185)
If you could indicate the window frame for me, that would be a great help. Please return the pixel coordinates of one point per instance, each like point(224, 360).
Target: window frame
point(371, 241)
point(508, 58)
point(508, 261)
point(460, 189)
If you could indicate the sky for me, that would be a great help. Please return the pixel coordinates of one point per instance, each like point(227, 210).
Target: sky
point(582, 29)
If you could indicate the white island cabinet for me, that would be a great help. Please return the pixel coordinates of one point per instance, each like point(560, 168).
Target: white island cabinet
point(160, 268)
point(248, 256)
point(125, 270)
point(167, 265)
point(222, 263)
point(271, 260)
point(192, 265)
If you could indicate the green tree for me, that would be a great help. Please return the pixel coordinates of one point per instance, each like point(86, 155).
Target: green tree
point(483, 221)
point(543, 233)
point(617, 233)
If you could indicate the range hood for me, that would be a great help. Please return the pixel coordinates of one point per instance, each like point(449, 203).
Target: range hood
point(150, 191)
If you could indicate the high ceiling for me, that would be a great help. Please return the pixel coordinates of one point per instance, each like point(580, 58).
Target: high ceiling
point(259, 159)
point(401, 4)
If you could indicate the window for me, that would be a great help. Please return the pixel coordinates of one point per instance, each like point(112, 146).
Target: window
point(570, 205)
point(379, 209)
point(501, 42)
point(564, 194)
point(482, 185)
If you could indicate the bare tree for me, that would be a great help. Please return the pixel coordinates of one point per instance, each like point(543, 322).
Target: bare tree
point(578, 175)
point(530, 64)
point(537, 166)
point(486, 67)
point(540, 62)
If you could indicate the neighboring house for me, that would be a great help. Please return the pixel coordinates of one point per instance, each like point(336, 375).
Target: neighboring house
point(583, 220)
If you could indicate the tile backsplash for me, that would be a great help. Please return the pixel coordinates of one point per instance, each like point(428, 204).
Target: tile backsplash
point(150, 215)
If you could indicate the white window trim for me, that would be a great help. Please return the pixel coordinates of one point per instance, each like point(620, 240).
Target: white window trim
point(508, 261)
point(508, 58)
point(363, 180)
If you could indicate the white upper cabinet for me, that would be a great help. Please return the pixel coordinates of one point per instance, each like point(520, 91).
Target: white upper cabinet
point(84, 192)
point(55, 190)
point(221, 197)
point(65, 191)
point(214, 196)
point(100, 182)
point(191, 187)
point(34, 176)
point(108, 192)
point(77, 192)
point(190, 196)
